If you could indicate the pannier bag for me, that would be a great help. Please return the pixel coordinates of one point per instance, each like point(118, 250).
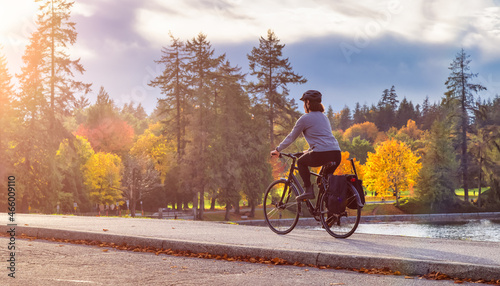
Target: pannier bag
point(358, 184)
point(337, 191)
point(340, 194)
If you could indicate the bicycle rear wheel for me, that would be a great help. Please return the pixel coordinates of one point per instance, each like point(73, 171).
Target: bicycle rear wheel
point(281, 209)
point(344, 224)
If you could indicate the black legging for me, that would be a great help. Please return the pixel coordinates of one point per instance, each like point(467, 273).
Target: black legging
point(316, 159)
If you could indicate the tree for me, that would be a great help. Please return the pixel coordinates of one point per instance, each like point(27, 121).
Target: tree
point(345, 120)
point(359, 149)
point(359, 115)
point(366, 131)
point(405, 112)
point(139, 179)
point(437, 179)
point(102, 176)
point(387, 109)
point(330, 116)
point(484, 146)
point(6, 117)
point(345, 166)
point(273, 74)
point(393, 167)
point(104, 129)
point(161, 151)
point(174, 86)
point(55, 33)
point(461, 93)
point(135, 117)
point(201, 66)
point(70, 162)
point(47, 89)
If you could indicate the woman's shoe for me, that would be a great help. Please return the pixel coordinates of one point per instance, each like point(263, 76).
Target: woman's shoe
point(308, 194)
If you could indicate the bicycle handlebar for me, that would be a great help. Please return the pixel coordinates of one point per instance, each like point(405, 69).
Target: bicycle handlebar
point(292, 155)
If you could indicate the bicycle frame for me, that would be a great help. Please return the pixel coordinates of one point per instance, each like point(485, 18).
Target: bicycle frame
point(293, 182)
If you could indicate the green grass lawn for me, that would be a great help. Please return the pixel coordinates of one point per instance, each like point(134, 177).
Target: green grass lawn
point(472, 192)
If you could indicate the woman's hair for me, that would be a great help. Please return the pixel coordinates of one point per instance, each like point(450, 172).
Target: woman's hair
point(316, 106)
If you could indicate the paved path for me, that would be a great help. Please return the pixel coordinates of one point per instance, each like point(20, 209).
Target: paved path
point(409, 255)
point(45, 263)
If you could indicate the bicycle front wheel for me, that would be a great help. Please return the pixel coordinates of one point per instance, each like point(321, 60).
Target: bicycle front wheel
point(341, 225)
point(281, 209)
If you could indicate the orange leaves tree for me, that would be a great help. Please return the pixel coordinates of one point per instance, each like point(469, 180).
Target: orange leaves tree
point(367, 131)
point(105, 131)
point(392, 168)
point(112, 135)
point(345, 166)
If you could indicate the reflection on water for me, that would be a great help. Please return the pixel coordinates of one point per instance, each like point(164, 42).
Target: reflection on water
point(480, 230)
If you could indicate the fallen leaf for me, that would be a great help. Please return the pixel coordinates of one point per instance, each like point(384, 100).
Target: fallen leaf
point(105, 229)
point(104, 250)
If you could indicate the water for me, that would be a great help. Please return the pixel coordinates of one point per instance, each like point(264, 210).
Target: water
point(478, 230)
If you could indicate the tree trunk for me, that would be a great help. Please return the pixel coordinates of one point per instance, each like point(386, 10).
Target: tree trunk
point(195, 205)
point(202, 203)
point(212, 204)
point(480, 173)
point(237, 207)
point(228, 207)
point(464, 162)
point(252, 208)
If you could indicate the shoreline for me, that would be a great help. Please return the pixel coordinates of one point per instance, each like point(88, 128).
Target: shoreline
point(420, 218)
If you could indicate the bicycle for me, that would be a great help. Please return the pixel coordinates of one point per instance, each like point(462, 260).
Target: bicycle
point(282, 211)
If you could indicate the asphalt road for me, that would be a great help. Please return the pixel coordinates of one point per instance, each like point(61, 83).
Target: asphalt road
point(43, 263)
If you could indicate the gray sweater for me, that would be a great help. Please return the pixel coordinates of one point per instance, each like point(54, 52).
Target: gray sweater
point(317, 131)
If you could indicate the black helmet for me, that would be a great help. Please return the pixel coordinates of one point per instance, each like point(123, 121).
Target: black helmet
point(312, 95)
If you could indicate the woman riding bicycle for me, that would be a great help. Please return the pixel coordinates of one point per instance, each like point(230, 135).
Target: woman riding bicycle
point(323, 147)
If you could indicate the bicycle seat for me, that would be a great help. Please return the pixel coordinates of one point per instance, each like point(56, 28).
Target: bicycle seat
point(329, 168)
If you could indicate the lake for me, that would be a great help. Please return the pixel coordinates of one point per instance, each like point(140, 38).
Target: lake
point(478, 230)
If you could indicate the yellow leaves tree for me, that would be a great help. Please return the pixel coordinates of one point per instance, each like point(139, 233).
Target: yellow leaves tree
point(102, 175)
point(393, 168)
point(156, 147)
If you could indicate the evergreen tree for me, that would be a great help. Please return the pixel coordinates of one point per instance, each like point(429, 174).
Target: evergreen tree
point(201, 67)
point(6, 123)
point(485, 150)
point(174, 86)
point(330, 115)
point(387, 109)
point(461, 94)
point(436, 184)
point(345, 118)
point(406, 111)
point(55, 33)
point(273, 74)
point(47, 92)
point(359, 115)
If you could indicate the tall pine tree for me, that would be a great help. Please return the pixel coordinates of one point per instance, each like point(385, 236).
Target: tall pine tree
point(460, 93)
point(273, 74)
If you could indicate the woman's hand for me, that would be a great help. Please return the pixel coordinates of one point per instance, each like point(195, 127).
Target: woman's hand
point(275, 153)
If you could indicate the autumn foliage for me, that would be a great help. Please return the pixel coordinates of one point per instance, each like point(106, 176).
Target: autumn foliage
point(392, 168)
point(367, 131)
point(111, 135)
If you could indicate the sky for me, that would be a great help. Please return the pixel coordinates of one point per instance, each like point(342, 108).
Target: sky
point(349, 50)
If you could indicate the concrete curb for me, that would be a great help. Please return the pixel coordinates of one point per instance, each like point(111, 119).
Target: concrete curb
point(404, 265)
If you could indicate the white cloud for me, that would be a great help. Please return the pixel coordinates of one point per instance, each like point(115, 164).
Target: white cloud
point(439, 22)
